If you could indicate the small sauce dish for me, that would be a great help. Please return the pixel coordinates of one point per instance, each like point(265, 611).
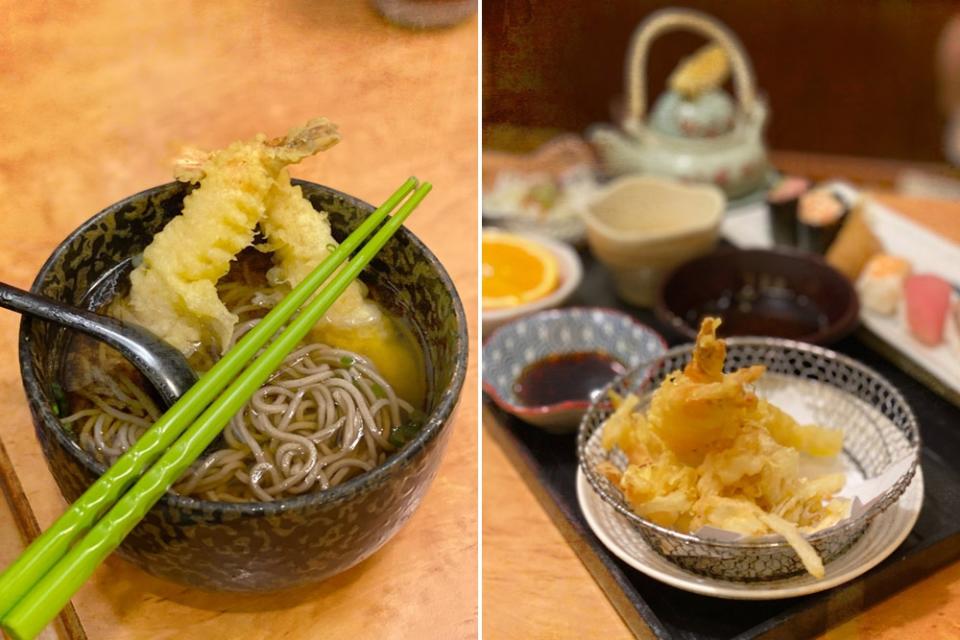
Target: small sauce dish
point(544, 367)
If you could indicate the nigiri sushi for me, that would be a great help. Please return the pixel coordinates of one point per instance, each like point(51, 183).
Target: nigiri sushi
point(880, 285)
point(928, 302)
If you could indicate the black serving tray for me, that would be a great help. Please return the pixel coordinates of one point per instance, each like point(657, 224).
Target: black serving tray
point(652, 609)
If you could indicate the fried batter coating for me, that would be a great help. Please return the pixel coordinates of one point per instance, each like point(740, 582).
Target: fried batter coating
point(809, 438)
point(173, 292)
point(709, 452)
point(300, 239)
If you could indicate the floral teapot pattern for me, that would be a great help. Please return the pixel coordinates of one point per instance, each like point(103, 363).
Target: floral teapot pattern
point(696, 132)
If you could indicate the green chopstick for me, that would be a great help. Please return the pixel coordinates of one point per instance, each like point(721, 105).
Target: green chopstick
point(45, 599)
point(49, 547)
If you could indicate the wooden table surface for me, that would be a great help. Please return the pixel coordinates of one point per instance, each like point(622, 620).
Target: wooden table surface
point(97, 97)
point(534, 585)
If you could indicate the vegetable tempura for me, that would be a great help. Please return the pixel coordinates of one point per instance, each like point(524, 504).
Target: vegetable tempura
point(710, 452)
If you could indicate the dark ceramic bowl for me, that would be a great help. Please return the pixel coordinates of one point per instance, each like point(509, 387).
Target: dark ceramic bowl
point(255, 546)
point(781, 293)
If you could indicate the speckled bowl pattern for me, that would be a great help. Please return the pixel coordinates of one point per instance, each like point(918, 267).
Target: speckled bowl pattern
point(256, 546)
point(549, 333)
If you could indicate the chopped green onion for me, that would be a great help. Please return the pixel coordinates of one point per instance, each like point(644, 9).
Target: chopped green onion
point(59, 406)
point(404, 433)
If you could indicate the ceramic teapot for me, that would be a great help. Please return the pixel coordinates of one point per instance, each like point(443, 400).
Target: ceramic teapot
point(698, 134)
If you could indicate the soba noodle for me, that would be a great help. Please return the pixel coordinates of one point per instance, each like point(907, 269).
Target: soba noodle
point(324, 417)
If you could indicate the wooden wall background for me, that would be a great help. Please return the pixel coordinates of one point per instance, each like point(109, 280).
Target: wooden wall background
point(852, 77)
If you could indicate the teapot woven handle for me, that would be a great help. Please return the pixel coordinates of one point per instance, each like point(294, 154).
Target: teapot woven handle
point(668, 20)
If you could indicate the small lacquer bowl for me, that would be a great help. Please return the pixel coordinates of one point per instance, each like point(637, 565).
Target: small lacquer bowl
point(516, 346)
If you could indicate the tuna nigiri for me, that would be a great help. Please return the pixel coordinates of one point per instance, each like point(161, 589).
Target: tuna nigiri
point(928, 302)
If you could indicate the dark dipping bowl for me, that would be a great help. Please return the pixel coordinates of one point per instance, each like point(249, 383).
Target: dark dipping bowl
point(780, 293)
point(254, 546)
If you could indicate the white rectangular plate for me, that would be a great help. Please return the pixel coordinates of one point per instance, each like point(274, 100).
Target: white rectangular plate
point(748, 227)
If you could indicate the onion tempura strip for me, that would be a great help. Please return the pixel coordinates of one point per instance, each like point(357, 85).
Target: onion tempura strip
point(808, 555)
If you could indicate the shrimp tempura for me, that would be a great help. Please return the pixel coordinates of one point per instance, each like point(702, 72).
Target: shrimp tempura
point(300, 238)
point(173, 292)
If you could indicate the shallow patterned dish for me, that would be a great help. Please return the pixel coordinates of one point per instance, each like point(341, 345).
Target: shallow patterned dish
point(881, 539)
point(535, 337)
point(813, 385)
point(254, 546)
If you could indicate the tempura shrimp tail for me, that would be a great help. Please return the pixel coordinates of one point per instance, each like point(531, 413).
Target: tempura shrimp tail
point(708, 354)
point(316, 135)
point(188, 166)
point(319, 134)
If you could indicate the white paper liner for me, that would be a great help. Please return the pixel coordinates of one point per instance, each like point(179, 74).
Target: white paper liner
point(861, 493)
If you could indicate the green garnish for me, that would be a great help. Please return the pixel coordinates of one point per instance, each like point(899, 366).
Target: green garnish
point(544, 194)
point(346, 361)
point(378, 391)
point(407, 431)
point(404, 433)
point(59, 406)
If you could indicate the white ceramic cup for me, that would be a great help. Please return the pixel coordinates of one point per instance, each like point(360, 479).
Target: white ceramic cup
point(642, 227)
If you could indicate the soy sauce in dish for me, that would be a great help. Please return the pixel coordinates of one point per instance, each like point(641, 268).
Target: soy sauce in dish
point(567, 376)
